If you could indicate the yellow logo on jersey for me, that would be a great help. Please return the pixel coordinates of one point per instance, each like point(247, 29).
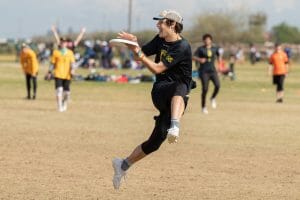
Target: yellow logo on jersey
point(209, 53)
point(164, 54)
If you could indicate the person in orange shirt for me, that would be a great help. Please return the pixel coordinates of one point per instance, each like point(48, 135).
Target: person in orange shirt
point(279, 68)
point(63, 65)
point(30, 68)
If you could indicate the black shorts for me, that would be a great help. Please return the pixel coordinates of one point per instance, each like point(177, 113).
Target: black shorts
point(163, 92)
point(64, 83)
point(279, 81)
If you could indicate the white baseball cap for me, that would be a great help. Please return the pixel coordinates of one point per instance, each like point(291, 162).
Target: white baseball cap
point(169, 14)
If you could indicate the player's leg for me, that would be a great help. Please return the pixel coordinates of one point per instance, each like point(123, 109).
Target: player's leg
point(177, 108)
point(232, 72)
point(34, 81)
point(28, 85)
point(204, 77)
point(215, 79)
point(159, 134)
point(153, 143)
point(280, 89)
point(66, 93)
point(59, 93)
point(157, 137)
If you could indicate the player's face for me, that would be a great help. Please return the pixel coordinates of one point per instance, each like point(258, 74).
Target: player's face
point(25, 49)
point(207, 41)
point(163, 28)
point(278, 48)
point(64, 44)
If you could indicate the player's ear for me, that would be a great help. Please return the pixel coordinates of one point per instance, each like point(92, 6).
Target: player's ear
point(172, 26)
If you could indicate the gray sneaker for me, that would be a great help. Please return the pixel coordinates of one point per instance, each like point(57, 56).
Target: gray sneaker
point(119, 173)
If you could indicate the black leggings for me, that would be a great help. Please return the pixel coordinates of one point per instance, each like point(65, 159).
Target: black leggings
point(30, 78)
point(159, 133)
point(161, 97)
point(205, 78)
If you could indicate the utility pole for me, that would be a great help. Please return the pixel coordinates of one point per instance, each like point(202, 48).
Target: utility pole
point(129, 15)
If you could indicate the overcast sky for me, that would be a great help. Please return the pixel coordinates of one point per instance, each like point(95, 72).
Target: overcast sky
point(33, 17)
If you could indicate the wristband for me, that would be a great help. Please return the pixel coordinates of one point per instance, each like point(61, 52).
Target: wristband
point(140, 54)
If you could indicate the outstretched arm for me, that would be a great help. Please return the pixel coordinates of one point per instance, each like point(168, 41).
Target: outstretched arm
point(80, 36)
point(54, 30)
point(155, 68)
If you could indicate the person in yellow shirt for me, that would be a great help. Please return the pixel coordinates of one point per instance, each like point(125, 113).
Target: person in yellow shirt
point(30, 68)
point(63, 65)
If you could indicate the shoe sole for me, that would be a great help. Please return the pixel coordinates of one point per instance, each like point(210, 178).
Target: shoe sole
point(172, 138)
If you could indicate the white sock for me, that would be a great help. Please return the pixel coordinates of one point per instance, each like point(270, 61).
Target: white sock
point(175, 123)
point(59, 96)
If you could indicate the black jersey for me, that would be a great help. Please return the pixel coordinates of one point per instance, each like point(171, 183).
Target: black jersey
point(210, 54)
point(176, 56)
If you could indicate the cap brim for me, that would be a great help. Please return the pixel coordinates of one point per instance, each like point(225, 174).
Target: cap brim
point(158, 18)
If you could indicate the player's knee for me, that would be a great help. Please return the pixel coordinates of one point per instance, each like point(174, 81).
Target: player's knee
point(67, 93)
point(280, 89)
point(151, 146)
point(204, 90)
point(59, 91)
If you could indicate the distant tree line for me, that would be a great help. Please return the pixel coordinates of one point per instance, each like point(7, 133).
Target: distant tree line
point(226, 28)
point(230, 27)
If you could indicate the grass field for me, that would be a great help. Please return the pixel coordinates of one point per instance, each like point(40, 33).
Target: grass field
point(249, 148)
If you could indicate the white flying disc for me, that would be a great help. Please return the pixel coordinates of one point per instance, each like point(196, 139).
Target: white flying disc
point(122, 42)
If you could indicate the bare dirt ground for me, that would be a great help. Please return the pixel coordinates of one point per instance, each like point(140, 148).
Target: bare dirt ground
point(249, 148)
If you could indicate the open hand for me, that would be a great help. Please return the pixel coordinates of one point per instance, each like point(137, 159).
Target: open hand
point(131, 37)
point(83, 30)
point(53, 28)
point(127, 36)
point(202, 60)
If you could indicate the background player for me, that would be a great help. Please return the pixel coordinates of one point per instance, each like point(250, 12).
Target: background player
point(279, 68)
point(206, 56)
point(62, 62)
point(30, 68)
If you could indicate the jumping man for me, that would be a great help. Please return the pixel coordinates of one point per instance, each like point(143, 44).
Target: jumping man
point(173, 70)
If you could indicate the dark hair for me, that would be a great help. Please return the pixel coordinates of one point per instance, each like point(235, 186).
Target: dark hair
point(178, 26)
point(277, 44)
point(63, 39)
point(207, 35)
